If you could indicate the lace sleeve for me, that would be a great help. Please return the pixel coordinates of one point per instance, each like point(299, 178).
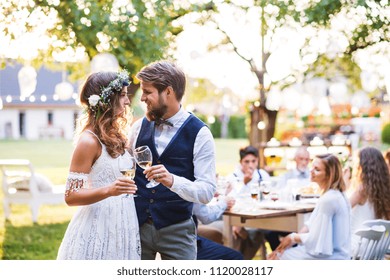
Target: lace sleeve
point(75, 182)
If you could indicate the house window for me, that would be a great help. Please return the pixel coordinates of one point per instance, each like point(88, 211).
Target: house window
point(22, 124)
point(75, 117)
point(49, 118)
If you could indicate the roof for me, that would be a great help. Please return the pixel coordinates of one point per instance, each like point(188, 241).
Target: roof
point(46, 83)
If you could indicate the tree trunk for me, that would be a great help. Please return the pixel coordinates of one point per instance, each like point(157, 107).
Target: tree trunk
point(257, 136)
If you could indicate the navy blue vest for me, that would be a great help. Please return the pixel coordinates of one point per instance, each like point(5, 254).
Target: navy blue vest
point(161, 204)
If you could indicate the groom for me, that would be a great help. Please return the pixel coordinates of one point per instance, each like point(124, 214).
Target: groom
point(183, 163)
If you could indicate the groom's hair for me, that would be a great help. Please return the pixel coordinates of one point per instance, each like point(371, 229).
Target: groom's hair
point(163, 74)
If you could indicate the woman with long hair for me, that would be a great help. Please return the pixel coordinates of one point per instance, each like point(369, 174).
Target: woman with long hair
point(105, 225)
point(326, 235)
point(370, 195)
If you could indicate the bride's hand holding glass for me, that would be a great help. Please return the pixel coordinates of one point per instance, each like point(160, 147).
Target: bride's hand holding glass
point(127, 168)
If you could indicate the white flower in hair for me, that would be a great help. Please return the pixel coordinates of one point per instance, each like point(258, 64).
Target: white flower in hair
point(93, 100)
point(99, 103)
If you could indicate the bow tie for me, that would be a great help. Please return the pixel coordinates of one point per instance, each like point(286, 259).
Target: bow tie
point(163, 122)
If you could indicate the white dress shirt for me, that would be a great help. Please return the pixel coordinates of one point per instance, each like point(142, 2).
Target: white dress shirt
point(203, 188)
point(244, 189)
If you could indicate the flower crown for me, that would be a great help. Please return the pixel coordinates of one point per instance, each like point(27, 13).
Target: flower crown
point(100, 103)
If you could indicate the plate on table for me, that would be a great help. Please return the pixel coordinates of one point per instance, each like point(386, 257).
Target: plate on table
point(275, 205)
point(310, 195)
point(312, 200)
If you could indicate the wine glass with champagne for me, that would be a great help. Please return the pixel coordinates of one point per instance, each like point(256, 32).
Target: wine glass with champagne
point(144, 158)
point(127, 167)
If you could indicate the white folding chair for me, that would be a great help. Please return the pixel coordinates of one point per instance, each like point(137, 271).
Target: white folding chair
point(368, 242)
point(384, 243)
point(20, 187)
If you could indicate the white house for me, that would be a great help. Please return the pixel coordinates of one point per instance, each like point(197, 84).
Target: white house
point(42, 114)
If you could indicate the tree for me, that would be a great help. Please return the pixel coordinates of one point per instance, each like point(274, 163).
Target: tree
point(71, 32)
point(362, 24)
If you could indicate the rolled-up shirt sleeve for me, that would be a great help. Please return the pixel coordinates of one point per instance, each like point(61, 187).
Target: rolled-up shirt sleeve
point(208, 213)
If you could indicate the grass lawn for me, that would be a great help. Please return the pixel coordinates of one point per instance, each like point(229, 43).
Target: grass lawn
point(20, 239)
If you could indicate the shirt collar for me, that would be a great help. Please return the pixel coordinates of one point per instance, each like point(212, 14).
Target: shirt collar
point(177, 117)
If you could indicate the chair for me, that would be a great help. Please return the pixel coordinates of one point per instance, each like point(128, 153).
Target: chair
point(368, 243)
point(20, 187)
point(384, 243)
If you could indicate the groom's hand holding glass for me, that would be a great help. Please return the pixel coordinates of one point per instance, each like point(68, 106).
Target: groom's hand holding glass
point(156, 174)
point(159, 174)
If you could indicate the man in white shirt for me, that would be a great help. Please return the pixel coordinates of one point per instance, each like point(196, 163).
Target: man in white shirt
point(183, 165)
point(247, 240)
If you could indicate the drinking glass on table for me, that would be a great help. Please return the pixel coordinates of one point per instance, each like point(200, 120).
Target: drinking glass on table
point(265, 187)
point(144, 158)
point(222, 186)
point(274, 195)
point(127, 167)
point(255, 190)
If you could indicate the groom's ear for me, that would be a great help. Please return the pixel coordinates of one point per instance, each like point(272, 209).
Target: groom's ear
point(170, 92)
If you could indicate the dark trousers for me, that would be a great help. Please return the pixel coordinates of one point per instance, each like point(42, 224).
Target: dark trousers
point(210, 250)
point(273, 238)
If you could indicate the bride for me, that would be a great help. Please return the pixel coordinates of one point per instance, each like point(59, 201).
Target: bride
point(105, 225)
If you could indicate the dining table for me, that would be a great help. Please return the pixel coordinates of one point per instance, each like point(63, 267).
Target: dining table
point(288, 217)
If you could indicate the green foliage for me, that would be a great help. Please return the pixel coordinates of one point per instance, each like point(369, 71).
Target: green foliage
point(322, 11)
point(136, 32)
point(236, 127)
point(200, 90)
point(215, 127)
point(373, 28)
point(332, 68)
point(386, 134)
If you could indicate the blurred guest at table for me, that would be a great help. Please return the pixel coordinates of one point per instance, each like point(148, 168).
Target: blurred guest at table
point(327, 233)
point(300, 175)
point(211, 223)
point(247, 240)
point(301, 170)
point(370, 197)
point(207, 249)
point(247, 172)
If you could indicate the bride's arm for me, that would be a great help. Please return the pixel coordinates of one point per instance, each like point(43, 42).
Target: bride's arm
point(77, 193)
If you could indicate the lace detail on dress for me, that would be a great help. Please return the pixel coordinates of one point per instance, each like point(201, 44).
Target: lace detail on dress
point(107, 229)
point(75, 182)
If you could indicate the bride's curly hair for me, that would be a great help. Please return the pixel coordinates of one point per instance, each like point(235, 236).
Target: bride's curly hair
point(375, 179)
point(110, 125)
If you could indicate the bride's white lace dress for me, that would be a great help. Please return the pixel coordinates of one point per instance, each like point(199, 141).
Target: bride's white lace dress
point(106, 230)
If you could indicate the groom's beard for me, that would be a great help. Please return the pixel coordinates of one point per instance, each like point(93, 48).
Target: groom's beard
point(157, 113)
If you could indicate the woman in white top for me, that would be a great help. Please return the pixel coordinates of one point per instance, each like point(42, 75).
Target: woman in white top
point(105, 225)
point(326, 235)
point(370, 198)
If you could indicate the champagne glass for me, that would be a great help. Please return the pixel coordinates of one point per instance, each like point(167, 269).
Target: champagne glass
point(144, 158)
point(127, 167)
